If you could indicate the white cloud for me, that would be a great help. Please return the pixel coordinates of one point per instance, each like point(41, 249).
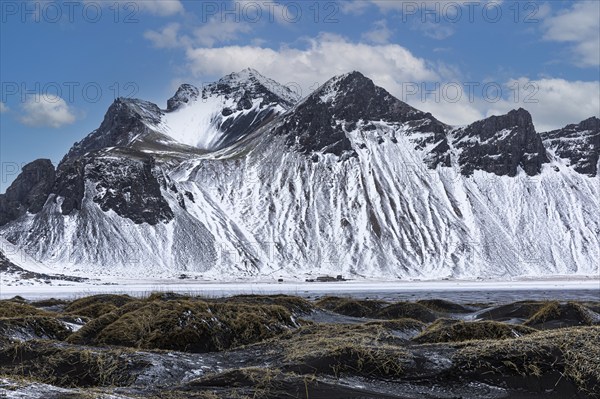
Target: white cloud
point(162, 8)
point(356, 7)
point(434, 30)
point(46, 110)
point(3, 108)
point(324, 57)
point(217, 31)
point(380, 34)
point(579, 25)
point(167, 37)
point(553, 103)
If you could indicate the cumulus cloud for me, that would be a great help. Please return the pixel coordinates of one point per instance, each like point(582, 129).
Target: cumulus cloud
point(209, 34)
point(580, 26)
point(434, 30)
point(311, 61)
point(218, 31)
point(162, 8)
point(356, 7)
point(3, 108)
point(380, 34)
point(46, 110)
point(167, 37)
point(325, 56)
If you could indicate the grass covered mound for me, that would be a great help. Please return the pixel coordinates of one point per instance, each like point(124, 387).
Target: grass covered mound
point(186, 325)
point(361, 349)
point(375, 309)
point(521, 310)
point(350, 307)
point(444, 330)
point(98, 305)
point(57, 364)
point(12, 308)
point(557, 315)
point(549, 361)
point(409, 310)
point(398, 324)
point(294, 304)
point(49, 303)
point(443, 306)
point(33, 327)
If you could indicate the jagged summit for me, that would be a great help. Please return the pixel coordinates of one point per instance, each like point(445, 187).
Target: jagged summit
point(500, 144)
point(224, 112)
point(578, 144)
point(124, 120)
point(28, 192)
point(323, 121)
point(186, 94)
point(249, 83)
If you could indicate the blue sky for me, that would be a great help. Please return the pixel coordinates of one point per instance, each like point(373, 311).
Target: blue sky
point(63, 63)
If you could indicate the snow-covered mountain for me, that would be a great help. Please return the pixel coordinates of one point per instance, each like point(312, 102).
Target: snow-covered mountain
point(241, 179)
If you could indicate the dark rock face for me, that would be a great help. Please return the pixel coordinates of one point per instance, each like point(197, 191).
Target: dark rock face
point(125, 185)
point(70, 185)
point(579, 143)
point(184, 95)
point(500, 144)
point(123, 121)
point(130, 188)
point(29, 191)
point(313, 126)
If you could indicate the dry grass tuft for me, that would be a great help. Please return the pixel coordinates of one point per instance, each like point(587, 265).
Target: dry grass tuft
point(339, 348)
point(32, 327)
point(186, 325)
point(443, 306)
point(549, 358)
point(350, 307)
point(56, 364)
point(294, 304)
point(444, 330)
point(409, 310)
point(555, 315)
point(12, 308)
point(98, 305)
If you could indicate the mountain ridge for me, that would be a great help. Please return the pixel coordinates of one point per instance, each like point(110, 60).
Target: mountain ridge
point(349, 179)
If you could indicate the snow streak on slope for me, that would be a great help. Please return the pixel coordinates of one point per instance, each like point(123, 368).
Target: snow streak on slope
point(224, 112)
point(199, 123)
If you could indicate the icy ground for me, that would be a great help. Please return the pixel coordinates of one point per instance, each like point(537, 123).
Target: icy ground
point(454, 290)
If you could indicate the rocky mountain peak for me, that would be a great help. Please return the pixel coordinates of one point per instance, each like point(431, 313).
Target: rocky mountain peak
point(353, 96)
point(578, 144)
point(500, 144)
point(29, 191)
point(186, 94)
point(124, 119)
point(320, 122)
point(249, 84)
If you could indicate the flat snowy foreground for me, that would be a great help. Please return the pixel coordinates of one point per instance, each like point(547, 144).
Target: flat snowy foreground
point(353, 288)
